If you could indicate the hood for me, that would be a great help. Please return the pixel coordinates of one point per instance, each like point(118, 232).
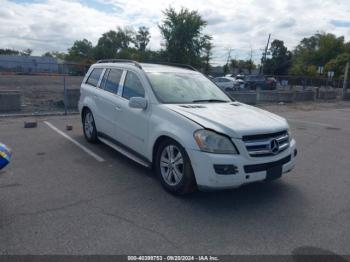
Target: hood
point(234, 119)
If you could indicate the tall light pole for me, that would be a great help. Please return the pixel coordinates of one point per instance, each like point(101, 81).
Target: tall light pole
point(228, 57)
point(263, 59)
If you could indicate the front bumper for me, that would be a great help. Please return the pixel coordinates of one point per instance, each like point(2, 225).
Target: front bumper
point(206, 177)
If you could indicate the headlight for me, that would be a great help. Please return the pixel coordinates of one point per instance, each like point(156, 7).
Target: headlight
point(209, 141)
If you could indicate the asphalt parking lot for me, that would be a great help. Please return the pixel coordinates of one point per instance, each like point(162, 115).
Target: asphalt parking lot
point(56, 198)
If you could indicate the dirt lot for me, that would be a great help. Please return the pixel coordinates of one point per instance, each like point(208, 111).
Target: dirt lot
point(55, 198)
point(40, 93)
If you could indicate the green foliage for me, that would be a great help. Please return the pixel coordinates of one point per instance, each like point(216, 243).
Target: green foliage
point(316, 50)
point(142, 38)
point(280, 60)
point(242, 65)
point(206, 54)
point(81, 50)
point(226, 69)
point(55, 54)
point(182, 32)
point(47, 54)
point(107, 46)
point(9, 52)
point(26, 52)
point(347, 47)
point(338, 64)
point(112, 42)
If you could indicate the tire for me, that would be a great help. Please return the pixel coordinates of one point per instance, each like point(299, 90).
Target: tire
point(175, 177)
point(89, 126)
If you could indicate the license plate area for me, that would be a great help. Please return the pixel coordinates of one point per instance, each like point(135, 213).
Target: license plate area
point(273, 172)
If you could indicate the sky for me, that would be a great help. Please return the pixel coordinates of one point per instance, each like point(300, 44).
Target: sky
point(242, 26)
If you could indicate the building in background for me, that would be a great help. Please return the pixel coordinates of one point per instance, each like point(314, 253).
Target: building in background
point(33, 65)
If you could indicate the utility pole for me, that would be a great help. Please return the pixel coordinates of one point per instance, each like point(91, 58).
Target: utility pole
point(228, 58)
point(264, 55)
point(250, 60)
point(345, 79)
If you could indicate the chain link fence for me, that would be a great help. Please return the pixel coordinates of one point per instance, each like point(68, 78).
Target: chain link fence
point(35, 88)
point(40, 87)
point(307, 82)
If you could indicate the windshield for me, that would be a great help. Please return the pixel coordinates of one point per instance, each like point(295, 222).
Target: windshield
point(171, 87)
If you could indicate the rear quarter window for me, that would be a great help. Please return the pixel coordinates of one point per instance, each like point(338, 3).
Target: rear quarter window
point(94, 77)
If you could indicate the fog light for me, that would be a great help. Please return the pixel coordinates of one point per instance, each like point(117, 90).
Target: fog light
point(225, 169)
point(295, 152)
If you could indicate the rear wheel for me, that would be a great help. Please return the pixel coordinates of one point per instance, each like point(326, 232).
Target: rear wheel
point(89, 127)
point(174, 168)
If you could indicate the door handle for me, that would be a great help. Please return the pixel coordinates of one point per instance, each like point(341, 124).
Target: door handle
point(118, 108)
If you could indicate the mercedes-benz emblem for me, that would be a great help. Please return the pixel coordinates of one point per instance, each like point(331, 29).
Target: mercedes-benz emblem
point(274, 146)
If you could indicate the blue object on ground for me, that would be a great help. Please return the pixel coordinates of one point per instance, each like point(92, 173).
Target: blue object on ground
point(5, 156)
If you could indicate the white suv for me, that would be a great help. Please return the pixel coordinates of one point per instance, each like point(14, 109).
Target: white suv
point(178, 122)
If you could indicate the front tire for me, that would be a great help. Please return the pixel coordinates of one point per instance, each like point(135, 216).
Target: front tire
point(174, 169)
point(89, 127)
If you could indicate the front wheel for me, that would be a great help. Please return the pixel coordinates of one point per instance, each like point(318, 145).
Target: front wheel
point(174, 169)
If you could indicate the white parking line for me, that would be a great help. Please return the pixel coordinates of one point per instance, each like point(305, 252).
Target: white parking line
point(86, 150)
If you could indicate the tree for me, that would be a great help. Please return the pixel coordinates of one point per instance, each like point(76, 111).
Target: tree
point(80, 51)
point(47, 54)
point(316, 51)
point(142, 38)
point(242, 65)
point(207, 54)
point(112, 42)
point(347, 47)
point(280, 60)
point(183, 36)
point(338, 64)
point(9, 52)
point(55, 54)
point(27, 52)
point(125, 36)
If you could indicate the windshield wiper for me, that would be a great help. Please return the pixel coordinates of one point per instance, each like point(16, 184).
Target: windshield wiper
point(210, 101)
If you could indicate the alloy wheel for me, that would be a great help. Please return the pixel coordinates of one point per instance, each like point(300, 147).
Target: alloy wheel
point(172, 165)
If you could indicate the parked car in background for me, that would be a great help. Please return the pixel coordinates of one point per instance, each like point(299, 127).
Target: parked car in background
point(240, 76)
point(254, 82)
point(228, 83)
point(225, 83)
point(270, 80)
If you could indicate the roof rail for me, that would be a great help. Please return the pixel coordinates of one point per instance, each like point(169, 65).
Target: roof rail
point(120, 61)
point(176, 65)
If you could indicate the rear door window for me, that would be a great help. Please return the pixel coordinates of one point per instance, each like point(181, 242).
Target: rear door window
point(94, 77)
point(111, 80)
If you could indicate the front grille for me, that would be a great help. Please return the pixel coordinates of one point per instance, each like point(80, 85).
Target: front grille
point(266, 144)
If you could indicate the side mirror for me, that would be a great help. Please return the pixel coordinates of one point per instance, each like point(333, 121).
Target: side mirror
point(138, 102)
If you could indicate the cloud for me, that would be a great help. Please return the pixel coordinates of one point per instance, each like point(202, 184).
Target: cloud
point(289, 22)
point(50, 25)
